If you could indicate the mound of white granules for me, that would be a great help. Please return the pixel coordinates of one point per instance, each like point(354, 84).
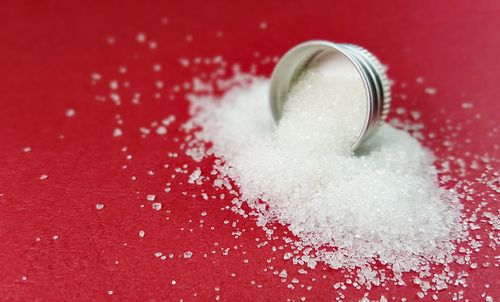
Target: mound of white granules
point(382, 204)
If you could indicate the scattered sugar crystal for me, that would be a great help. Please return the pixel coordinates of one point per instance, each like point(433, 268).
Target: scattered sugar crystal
point(159, 84)
point(117, 132)
point(467, 105)
point(115, 98)
point(27, 149)
point(142, 233)
point(194, 176)
point(110, 40)
point(70, 112)
point(188, 254)
point(184, 62)
point(161, 130)
point(99, 206)
point(55, 237)
point(150, 197)
point(95, 76)
point(430, 90)
point(415, 115)
point(158, 254)
point(43, 176)
point(110, 292)
point(156, 206)
point(113, 85)
point(168, 120)
point(283, 274)
point(173, 282)
point(141, 37)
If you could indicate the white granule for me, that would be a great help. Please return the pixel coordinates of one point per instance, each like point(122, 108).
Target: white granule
point(467, 105)
point(381, 204)
point(161, 130)
point(95, 76)
point(159, 85)
point(70, 112)
point(430, 90)
point(150, 197)
point(195, 176)
point(113, 85)
point(184, 62)
point(27, 149)
point(142, 233)
point(99, 206)
point(283, 274)
point(117, 132)
point(156, 206)
point(141, 37)
point(44, 176)
point(188, 254)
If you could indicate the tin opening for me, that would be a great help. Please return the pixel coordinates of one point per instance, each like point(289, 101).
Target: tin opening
point(326, 101)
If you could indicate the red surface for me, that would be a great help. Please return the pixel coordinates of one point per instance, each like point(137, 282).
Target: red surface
point(48, 51)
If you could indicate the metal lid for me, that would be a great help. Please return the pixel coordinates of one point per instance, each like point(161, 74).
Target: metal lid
point(291, 66)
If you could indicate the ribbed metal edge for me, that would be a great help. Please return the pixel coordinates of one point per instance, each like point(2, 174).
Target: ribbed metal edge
point(290, 67)
point(380, 70)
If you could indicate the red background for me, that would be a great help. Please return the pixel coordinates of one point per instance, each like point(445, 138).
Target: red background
point(49, 49)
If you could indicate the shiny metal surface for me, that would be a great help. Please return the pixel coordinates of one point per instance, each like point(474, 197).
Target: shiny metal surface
point(295, 61)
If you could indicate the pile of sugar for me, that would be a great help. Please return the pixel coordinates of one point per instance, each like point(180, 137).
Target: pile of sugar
point(349, 211)
point(323, 113)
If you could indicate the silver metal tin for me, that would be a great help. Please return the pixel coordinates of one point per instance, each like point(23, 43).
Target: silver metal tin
point(295, 61)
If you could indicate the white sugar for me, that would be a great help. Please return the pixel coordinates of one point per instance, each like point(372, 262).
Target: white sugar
point(150, 197)
point(161, 130)
point(323, 113)
point(117, 132)
point(70, 112)
point(430, 90)
point(99, 206)
point(383, 203)
point(283, 274)
point(141, 37)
